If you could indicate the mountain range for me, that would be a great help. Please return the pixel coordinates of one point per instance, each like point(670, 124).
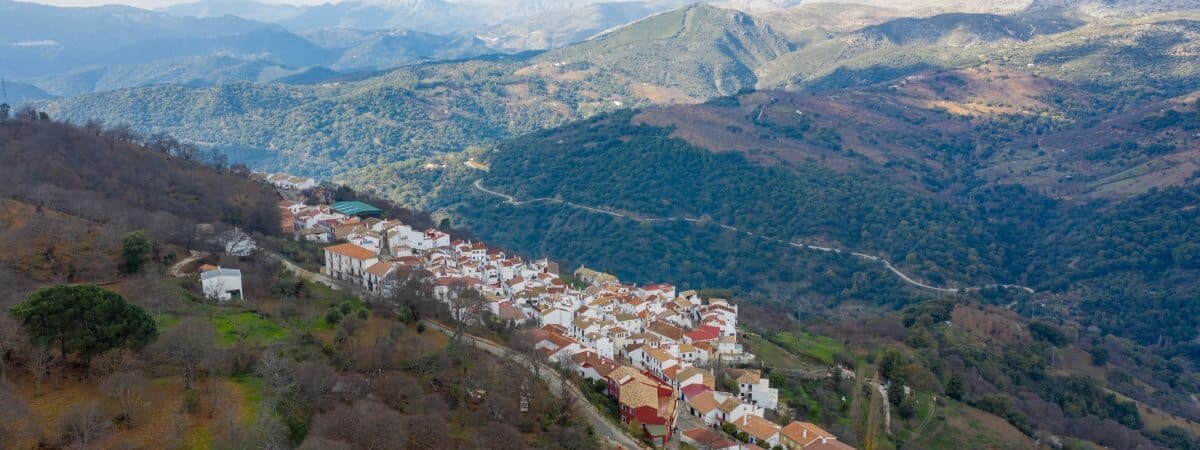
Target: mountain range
point(830, 161)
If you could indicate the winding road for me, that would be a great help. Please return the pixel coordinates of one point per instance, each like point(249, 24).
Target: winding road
point(645, 219)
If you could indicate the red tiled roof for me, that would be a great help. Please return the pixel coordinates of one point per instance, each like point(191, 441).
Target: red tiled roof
point(352, 251)
point(704, 333)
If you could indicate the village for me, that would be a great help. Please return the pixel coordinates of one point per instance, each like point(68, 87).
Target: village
point(657, 351)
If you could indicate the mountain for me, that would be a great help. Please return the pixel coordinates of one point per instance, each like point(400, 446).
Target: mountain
point(198, 71)
point(29, 48)
point(561, 27)
point(17, 93)
point(700, 50)
point(385, 50)
point(246, 9)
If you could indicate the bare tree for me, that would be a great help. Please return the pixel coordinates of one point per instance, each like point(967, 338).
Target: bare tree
point(39, 361)
point(365, 425)
point(115, 360)
point(187, 346)
point(129, 390)
point(82, 425)
point(10, 339)
point(466, 307)
point(501, 436)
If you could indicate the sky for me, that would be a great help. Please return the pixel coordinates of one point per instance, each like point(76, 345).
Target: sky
point(160, 3)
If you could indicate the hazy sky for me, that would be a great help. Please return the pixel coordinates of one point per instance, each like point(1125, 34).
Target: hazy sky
point(159, 3)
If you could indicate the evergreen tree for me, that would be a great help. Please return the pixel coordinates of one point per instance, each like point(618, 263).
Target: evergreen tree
point(83, 320)
point(135, 252)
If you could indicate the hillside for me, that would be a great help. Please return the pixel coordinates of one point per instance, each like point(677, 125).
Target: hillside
point(701, 50)
point(298, 365)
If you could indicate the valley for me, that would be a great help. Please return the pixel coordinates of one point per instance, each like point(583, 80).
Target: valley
point(938, 224)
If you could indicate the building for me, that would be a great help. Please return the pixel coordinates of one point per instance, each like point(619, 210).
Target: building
point(644, 399)
point(348, 262)
point(708, 439)
point(755, 389)
point(758, 429)
point(358, 209)
point(222, 284)
point(807, 436)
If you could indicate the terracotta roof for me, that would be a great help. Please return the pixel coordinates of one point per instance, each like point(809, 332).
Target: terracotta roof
point(380, 269)
point(749, 376)
point(658, 354)
point(804, 433)
point(666, 330)
point(692, 390)
point(730, 404)
point(828, 444)
point(760, 428)
point(352, 251)
point(704, 333)
point(690, 372)
point(703, 402)
point(710, 438)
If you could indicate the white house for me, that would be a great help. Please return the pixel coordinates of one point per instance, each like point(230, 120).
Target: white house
point(348, 262)
point(755, 389)
point(222, 284)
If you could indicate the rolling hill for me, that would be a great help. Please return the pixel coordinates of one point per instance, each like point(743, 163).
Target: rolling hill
point(700, 50)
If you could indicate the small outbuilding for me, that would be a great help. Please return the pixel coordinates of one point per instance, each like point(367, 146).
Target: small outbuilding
point(222, 284)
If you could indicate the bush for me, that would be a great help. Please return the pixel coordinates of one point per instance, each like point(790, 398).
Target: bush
point(333, 316)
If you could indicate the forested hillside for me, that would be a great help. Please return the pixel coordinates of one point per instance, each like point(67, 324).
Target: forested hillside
point(107, 341)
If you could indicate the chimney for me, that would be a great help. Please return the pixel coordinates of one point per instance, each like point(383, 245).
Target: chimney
point(805, 435)
point(745, 419)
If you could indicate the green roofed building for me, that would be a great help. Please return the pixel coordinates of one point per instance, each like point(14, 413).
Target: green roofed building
point(359, 209)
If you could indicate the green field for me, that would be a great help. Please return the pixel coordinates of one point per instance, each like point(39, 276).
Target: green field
point(232, 327)
point(818, 348)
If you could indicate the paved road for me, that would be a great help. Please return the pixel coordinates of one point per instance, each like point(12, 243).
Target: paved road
point(599, 422)
point(887, 264)
point(597, 419)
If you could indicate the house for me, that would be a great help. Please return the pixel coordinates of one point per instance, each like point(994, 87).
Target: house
point(755, 388)
point(222, 284)
point(348, 262)
point(758, 429)
point(708, 439)
point(593, 366)
point(807, 436)
point(705, 406)
point(646, 400)
point(593, 277)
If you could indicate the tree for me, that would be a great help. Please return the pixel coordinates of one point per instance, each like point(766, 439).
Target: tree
point(10, 340)
point(83, 320)
point(1100, 356)
point(135, 252)
point(4, 110)
point(82, 425)
point(128, 389)
point(39, 361)
point(954, 387)
point(187, 346)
